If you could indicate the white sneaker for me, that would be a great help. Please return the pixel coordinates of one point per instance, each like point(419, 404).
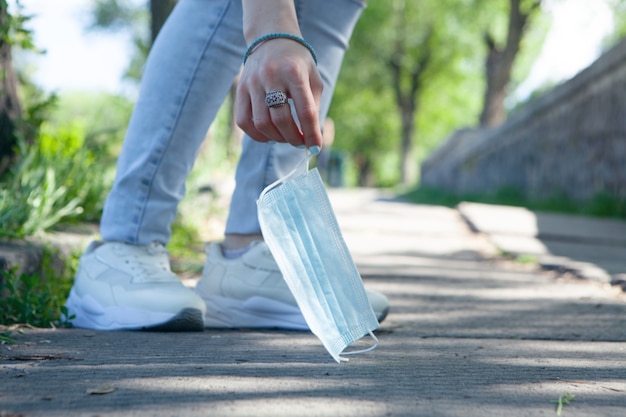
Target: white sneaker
point(250, 292)
point(122, 286)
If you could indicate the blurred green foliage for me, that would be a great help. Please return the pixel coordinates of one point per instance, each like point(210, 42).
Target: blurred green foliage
point(368, 126)
point(37, 299)
point(56, 178)
point(63, 174)
point(367, 120)
point(64, 150)
point(618, 10)
point(130, 17)
point(601, 205)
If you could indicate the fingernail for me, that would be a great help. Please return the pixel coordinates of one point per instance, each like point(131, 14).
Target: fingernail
point(300, 146)
point(314, 150)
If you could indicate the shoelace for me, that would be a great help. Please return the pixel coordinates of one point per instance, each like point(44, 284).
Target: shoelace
point(151, 266)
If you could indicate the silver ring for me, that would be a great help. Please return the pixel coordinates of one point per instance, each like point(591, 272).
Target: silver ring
point(275, 99)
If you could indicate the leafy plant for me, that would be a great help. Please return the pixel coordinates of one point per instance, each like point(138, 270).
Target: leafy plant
point(32, 200)
point(34, 299)
point(14, 29)
point(65, 150)
point(526, 259)
point(5, 337)
point(564, 399)
point(57, 178)
point(186, 247)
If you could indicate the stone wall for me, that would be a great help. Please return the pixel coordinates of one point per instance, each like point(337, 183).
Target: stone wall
point(571, 141)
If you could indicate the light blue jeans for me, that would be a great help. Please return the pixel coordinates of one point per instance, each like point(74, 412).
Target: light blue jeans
point(189, 72)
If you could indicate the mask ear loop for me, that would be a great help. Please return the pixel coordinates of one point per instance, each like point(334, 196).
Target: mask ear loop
point(307, 159)
point(357, 352)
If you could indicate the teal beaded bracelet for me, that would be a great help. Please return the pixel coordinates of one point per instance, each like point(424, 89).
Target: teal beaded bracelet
point(277, 35)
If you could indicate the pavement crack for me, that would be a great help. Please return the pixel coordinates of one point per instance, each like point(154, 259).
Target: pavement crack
point(35, 357)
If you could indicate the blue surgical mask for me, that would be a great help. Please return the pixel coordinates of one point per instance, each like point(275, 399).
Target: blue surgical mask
point(300, 228)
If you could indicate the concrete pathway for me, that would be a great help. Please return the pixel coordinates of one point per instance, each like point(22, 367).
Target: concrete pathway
point(591, 248)
point(467, 336)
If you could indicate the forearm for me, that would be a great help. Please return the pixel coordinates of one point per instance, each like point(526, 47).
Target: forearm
point(261, 17)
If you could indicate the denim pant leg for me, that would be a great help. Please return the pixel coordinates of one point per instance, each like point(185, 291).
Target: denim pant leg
point(327, 25)
point(189, 71)
point(187, 76)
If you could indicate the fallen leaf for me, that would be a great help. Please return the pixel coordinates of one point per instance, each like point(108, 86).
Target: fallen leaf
point(100, 390)
point(613, 389)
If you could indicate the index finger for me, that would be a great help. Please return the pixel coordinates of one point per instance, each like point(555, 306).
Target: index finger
point(306, 100)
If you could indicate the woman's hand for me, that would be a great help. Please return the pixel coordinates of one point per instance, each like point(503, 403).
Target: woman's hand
point(278, 65)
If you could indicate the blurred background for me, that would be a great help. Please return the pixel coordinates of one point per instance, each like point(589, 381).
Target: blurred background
point(440, 101)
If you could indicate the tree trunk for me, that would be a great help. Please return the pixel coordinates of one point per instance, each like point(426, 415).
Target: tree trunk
point(407, 160)
point(10, 110)
point(159, 11)
point(407, 82)
point(366, 175)
point(500, 62)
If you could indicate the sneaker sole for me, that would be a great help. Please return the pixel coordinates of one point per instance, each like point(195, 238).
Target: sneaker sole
point(89, 314)
point(187, 320)
point(256, 312)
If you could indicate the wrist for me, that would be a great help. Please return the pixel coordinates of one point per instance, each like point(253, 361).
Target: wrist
point(278, 35)
point(261, 17)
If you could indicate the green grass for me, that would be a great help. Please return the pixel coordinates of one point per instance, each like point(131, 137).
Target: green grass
point(186, 248)
point(35, 299)
point(56, 179)
point(601, 205)
point(564, 399)
point(5, 337)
